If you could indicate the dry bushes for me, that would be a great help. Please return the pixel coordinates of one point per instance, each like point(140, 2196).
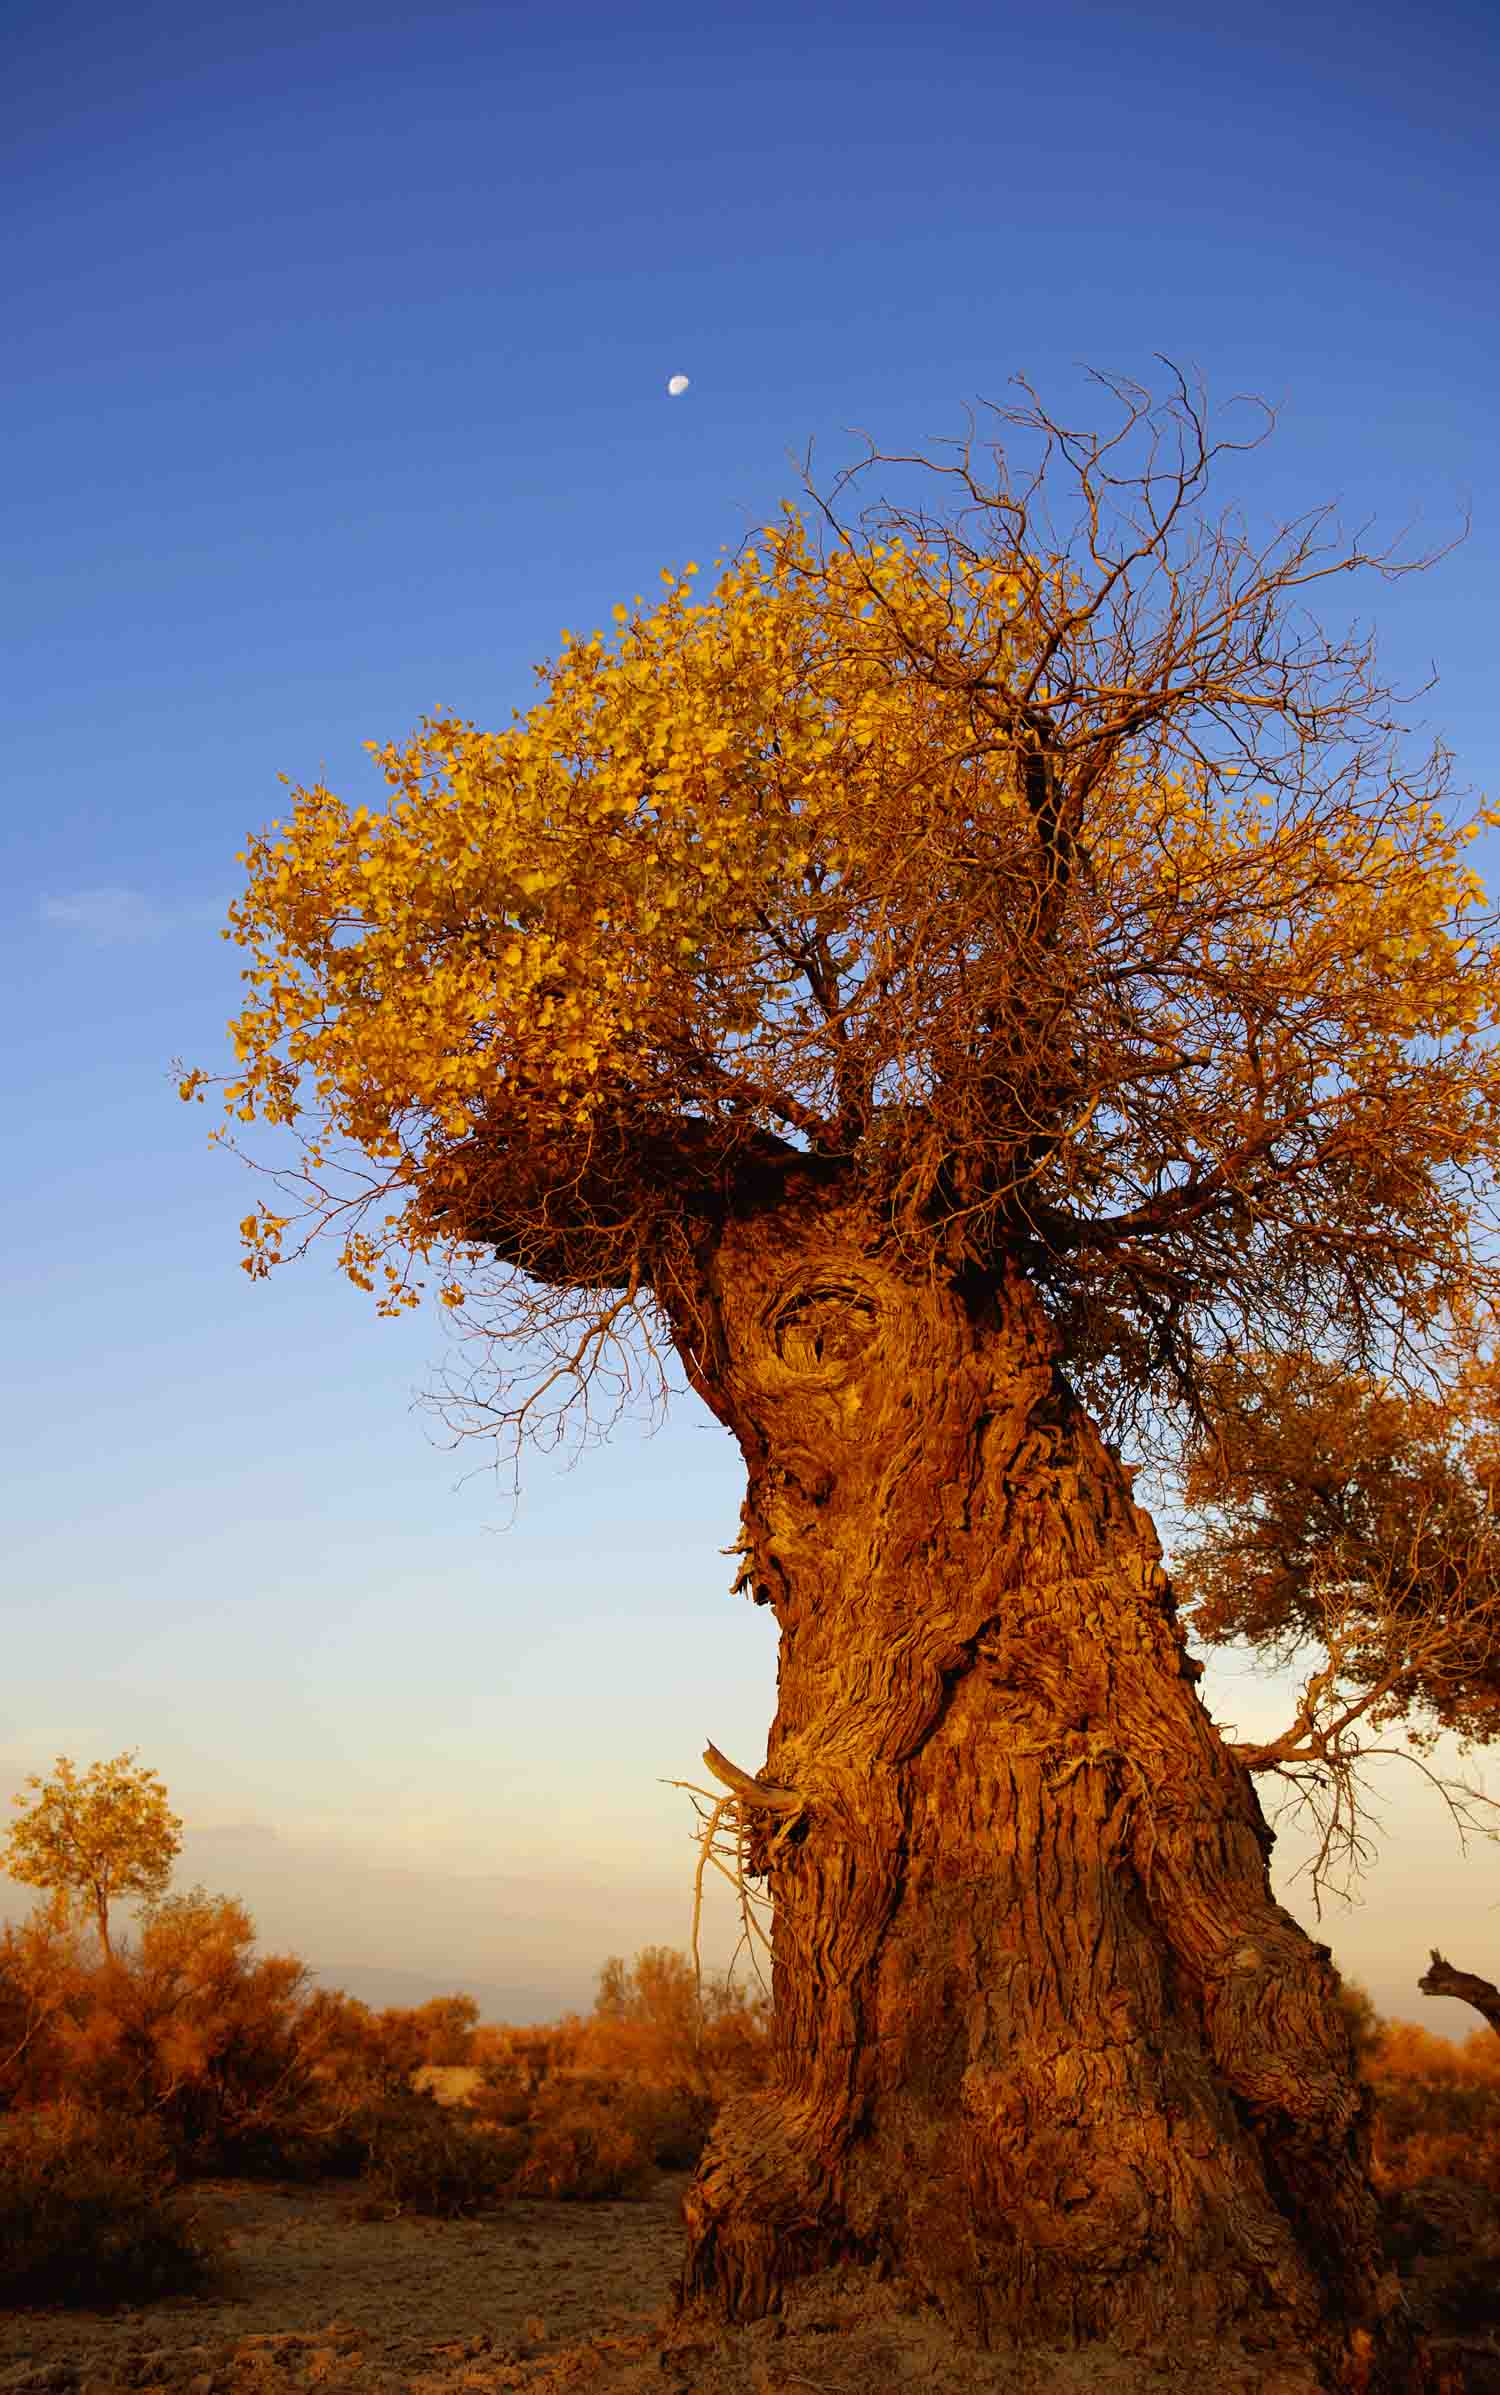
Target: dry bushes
point(531, 2054)
point(587, 2141)
point(1436, 2166)
point(181, 2028)
point(606, 2100)
point(355, 2049)
point(415, 2155)
point(659, 2055)
point(88, 2214)
point(584, 2108)
point(1443, 2235)
point(44, 1977)
point(653, 2024)
point(1437, 2107)
point(182, 2056)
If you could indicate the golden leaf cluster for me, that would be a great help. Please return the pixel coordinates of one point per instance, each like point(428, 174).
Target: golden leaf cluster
point(1063, 892)
point(108, 1833)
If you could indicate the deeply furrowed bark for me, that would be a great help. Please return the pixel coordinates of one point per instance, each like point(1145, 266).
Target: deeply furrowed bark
point(1045, 2044)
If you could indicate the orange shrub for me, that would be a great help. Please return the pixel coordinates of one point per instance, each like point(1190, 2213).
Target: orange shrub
point(184, 2027)
point(1437, 2108)
point(534, 2053)
point(583, 2147)
point(652, 2024)
point(1403, 2051)
point(502, 2100)
point(420, 2157)
point(45, 1972)
point(246, 2071)
point(88, 2212)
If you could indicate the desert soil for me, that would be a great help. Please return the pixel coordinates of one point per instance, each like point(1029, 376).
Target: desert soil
point(541, 2298)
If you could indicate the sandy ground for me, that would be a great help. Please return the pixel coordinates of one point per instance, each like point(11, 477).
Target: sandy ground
point(538, 2297)
point(306, 2296)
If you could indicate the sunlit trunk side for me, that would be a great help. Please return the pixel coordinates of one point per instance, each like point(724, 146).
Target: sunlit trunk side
point(1045, 2044)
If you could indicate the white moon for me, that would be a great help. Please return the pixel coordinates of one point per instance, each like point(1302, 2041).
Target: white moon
point(676, 385)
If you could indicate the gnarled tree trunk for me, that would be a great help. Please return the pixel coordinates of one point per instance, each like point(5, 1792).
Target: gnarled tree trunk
point(1045, 2044)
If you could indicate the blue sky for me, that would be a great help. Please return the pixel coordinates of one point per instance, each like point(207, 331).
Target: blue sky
point(337, 348)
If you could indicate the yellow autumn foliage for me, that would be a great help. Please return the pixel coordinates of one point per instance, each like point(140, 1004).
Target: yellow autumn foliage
point(108, 1833)
point(1098, 926)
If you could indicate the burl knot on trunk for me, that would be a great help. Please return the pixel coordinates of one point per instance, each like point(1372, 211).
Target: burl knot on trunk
point(1441, 1979)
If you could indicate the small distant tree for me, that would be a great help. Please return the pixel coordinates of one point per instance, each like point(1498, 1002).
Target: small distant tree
point(106, 1835)
point(659, 2018)
point(663, 1987)
point(612, 2003)
point(660, 1987)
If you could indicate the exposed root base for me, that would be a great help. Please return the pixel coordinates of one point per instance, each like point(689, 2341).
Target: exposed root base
point(768, 2247)
point(759, 2217)
point(849, 2330)
point(853, 2327)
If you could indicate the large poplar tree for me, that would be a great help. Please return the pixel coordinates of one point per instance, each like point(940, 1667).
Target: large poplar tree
point(946, 988)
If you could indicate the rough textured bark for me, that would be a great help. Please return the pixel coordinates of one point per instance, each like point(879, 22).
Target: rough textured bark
point(1443, 1979)
point(1046, 2046)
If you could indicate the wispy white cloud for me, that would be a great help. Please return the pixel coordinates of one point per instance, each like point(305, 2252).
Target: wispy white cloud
point(113, 913)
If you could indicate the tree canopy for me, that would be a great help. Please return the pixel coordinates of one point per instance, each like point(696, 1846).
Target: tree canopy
point(105, 1835)
point(1068, 889)
point(1335, 1509)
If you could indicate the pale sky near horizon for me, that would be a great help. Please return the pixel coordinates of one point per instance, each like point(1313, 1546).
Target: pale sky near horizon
point(338, 348)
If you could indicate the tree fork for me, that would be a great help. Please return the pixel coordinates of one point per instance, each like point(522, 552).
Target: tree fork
point(1045, 2045)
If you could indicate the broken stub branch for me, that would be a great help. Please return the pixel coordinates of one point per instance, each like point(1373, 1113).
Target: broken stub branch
point(751, 1790)
point(1442, 1979)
